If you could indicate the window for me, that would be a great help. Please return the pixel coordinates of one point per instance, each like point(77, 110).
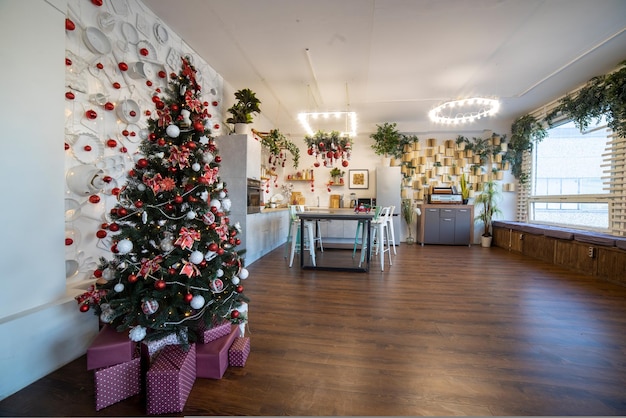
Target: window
point(568, 182)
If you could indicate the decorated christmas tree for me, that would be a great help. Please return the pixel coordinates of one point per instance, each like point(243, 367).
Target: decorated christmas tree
point(175, 268)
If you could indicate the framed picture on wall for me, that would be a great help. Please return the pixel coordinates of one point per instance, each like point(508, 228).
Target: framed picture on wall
point(359, 179)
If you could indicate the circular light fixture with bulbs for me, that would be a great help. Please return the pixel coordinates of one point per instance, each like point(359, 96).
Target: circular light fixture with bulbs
point(464, 111)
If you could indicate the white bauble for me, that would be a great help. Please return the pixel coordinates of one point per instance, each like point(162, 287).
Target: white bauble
point(208, 157)
point(219, 186)
point(137, 333)
point(141, 187)
point(191, 215)
point(222, 194)
point(196, 257)
point(172, 131)
point(243, 274)
point(108, 274)
point(235, 280)
point(226, 204)
point(125, 246)
point(119, 288)
point(219, 273)
point(216, 203)
point(106, 316)
point(196, 167)
point(143, 133)
point(197, 302)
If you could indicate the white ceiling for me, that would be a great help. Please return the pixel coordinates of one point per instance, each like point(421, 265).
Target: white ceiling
point(394, 60)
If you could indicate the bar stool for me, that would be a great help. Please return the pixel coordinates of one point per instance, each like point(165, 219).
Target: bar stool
point(380, 235)
point(294, 235)
point(360, 229)
point(390, 228)
point(317, 237)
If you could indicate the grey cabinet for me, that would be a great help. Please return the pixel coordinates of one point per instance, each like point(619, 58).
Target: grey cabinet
point(445, 224)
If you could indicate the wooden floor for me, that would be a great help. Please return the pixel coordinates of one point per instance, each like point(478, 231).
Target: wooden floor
point(444, 331)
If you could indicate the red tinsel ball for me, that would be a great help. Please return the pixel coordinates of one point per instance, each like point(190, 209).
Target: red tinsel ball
point(84, 307)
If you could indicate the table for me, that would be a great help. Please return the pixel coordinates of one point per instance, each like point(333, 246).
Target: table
point(339, 216)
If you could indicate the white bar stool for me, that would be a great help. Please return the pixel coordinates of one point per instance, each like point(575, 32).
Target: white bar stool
point(390, 229)
point(294, 234)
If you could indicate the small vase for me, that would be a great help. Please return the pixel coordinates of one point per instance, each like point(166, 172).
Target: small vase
point(410, 240)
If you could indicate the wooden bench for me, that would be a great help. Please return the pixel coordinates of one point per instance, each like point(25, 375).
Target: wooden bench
point(588, 252)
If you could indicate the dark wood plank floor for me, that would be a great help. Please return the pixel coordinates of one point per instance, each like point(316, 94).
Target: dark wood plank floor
point(444, 331)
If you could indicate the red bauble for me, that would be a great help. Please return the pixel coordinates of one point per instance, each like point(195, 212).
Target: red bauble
point(94, 198)
point(171, 271)
point(97, 273)
point(148, 113)
point(159, 105)
point(160, 284)
point(97, 2)
point(122, 66)
point(213, 247)
point(117, 85)
point(68, 61)
point(139, 204)
point(122, 212)
point(191, 145)
point(162, 74)
point(220, 251)
point(321, 145)
point(115, 191)
point(174, 107)
point(142, 163)
point(216, 126)
point(173, 170)
point(218, 159)
point(91, 114)
point(169, 207)
point(152, 136)
point(234, 313)
point(156, 99)
point(316, 164)
point(87, 148)
point(237, 241)
point(69, 95)
point(114, 227)
point(144, 52)
point(344, 163)
point(239, 289)
point(178, 199)
point(111, 143)
point(84, 307)
point(69, 241)
point(191, 199)
point(198, 126)
point(161, 142)
point(214, 103)
point(309, 151)
point(125, 132)
point(107, 179)
point(109, 106)
point(188, 297)
point(67, 146)
point(132, 278)
point(101, 233)
point(69, 25)
point(99, 66)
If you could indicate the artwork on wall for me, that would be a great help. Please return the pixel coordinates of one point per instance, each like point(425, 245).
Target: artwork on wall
point(359, 179)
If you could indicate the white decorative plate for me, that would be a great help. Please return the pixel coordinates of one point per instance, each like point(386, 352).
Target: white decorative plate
point(160, 33)
point(106, 21)
point(87, 148)
point(130, 33)
point(128, 111)
point(120, 7)
point(96, 41)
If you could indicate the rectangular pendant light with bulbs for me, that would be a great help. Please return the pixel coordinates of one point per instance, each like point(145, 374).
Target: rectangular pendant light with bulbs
point(342, 122)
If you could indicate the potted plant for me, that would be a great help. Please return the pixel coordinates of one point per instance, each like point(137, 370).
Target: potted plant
point(408, 214)
point(336, 174)
point(488, 202)
point(465, 190)
point(387, 141)
point(247, 104)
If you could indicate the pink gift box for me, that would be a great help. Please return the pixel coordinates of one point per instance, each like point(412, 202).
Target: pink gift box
point(169, 379)
point(206, 335)
point(239, 351)
point(116, 383)
point(212, 358)
point(108, 348)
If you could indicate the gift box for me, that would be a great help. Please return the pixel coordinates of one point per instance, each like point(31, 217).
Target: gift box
point(109, 348)
point(206, 335)
point(239, 351)
point(116, 383)
point(169, 379)
point(212, 358)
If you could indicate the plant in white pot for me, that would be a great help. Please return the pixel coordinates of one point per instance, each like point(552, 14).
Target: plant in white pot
point(487, 201)
point(408, 213)
point(387, 141)
point(247, 104)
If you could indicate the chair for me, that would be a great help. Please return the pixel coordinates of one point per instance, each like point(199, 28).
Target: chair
point(294, 235)
point(379, 231)
point(392, 235)
point(317, 236)
point(360, 229)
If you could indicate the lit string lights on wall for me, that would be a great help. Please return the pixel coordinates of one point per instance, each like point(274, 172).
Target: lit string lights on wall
point(330, 121)
point(464, 111)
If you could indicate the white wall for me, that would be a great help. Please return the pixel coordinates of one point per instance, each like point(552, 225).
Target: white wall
point(40, 328)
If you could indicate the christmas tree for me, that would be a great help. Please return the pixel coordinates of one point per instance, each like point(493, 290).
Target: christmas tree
point(175, 267)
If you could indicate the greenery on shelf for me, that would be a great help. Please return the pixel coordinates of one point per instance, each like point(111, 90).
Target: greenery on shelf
point(485, 148)
point(525, 132)
point(247, 104)
point(602, 96)
point(465, 188)
point(487, 200)
point(274, 141)
point(336, 172)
